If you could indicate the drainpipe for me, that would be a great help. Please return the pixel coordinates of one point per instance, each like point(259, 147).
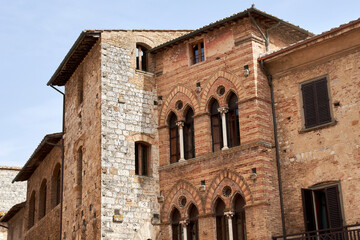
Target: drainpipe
point(62, 160)
point(270, 82)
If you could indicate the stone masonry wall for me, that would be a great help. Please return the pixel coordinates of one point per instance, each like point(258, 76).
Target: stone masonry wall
point(128, 114)
point(11, 193)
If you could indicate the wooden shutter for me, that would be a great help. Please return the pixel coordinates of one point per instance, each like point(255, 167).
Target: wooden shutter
point(316, 103)
point(333, 207)
point(308, 208)
point(322, 97)
point(137, 159)
point(309, 104)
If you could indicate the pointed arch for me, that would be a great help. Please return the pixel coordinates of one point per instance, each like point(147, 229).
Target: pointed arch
point(233, 78)
point(181, 185)
point(232, 176)
point(172, 97)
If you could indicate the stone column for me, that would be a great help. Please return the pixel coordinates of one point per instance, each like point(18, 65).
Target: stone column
point(180, 125)
point(229, 216)
point(223, 111)
point(184, 227)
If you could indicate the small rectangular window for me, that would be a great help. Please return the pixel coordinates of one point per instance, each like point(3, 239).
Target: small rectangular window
point(142, 156)
point(198, 52)
point(316, 103)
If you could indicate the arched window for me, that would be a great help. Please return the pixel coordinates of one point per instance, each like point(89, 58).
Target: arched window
point(174, 139)
point(142, 157)
point(216, 127)
point(232, 116)
point(31, 220)
point(189, 144)
point(239, 218)
point(141, 63)
point(222, 227)
point(42, 199)
point(175, 225)
point(55, 186)
point(193, 227)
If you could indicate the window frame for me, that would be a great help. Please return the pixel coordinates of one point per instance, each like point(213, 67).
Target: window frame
point(232, 120)
point(139, 169)
point(331, 122)
point(174, 128)
point(189, 134)
point(202, 55)
point(141, 62)
point(219, 127)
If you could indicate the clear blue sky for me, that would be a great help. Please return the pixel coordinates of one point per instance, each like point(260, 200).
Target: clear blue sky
point(36, 35)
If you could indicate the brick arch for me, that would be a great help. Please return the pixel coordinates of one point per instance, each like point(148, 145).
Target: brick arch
point(234, 79)
point(169, 99)
point(179, 186)
point(232, 176)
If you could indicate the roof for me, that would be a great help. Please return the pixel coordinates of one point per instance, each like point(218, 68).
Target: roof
point(308, 40)
point(45, 146)
point(80, 49)
point(77, 53)
point(268, 19)
point(11, 213)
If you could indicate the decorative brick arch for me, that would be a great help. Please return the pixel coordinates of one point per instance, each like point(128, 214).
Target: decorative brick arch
point(181, 186)
point(234, 79)
point(232, 176)
point(165, 110)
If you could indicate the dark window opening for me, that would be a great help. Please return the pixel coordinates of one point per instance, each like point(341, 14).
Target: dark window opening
point(189, 144)
point(322, 208)
point(216, 127)
point(316, 105)
point(79, 175)
point(31, 220)
point(193, 227)
point(177, 233)
point(80, 86)
point(174, 139)
point(239, 227)
point(55, 186)
point(42, 200)
point(141, 59)
point(222, 226)
point(232, 117)
point(142, 156)
point(198, 52)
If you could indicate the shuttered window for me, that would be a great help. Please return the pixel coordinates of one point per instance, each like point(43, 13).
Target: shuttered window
point(316, 103)
point(174, 139)
point(216, 127)
point(189, 144)
point(142, 156)
point(232, 125)
point(322, 208)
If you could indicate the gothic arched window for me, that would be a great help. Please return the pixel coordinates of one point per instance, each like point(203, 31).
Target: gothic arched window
point(193, 226)
point(216, 127)
point(174, 139)
point(239, 218)
point(222, 227)
point(232, 117)
point(175, 225)
point(189, 144)
point(42, 199)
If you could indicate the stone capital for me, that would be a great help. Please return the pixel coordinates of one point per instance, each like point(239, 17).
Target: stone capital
point(180, 124)
point(229, 214)
point(184, 223)
point(223, 110)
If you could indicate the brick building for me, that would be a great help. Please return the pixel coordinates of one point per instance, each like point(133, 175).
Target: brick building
point(247, 128)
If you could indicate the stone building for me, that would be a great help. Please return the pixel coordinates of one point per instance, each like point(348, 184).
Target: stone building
point(246, 128)
point(11, 194)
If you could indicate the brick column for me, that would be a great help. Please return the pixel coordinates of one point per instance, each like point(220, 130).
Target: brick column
point(223, 111)
point(229, 216)
point(180, 125)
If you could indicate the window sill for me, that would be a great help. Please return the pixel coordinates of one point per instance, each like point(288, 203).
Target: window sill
point(197, 64)
point(325, 125)
point(144, 72)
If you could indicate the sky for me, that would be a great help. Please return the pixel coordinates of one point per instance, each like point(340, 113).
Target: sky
point(36, 35)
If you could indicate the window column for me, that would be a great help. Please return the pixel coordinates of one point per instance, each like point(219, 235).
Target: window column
point(223, 111)
point(229, 216)
point(180, 125)
point(184, 227)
